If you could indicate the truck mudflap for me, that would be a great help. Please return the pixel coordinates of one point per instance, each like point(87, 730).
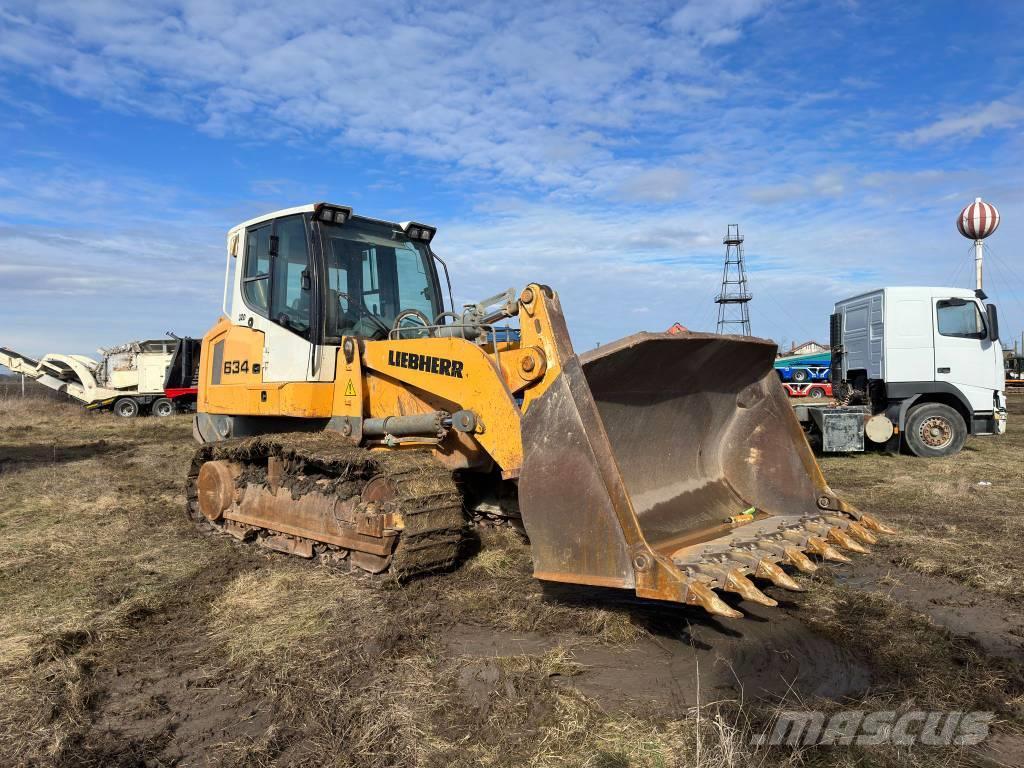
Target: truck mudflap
point(673, 465)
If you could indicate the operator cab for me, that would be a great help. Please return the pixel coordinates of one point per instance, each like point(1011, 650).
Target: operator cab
point(322, 273)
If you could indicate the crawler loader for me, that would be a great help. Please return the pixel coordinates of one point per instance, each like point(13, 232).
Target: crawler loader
point(346, 414)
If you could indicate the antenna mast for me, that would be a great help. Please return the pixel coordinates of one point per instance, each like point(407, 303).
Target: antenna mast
point(733, 299)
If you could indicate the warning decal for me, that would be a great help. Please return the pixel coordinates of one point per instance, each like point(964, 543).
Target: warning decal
point(350, 389)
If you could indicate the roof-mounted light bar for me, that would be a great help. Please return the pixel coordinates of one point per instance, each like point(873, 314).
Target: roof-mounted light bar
point(331, 214)
point(416, 231)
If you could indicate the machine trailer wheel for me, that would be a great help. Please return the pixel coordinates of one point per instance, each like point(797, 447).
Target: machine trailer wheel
point(163, 406)
point(800, 375)
point(934, 430)
point(127, 408)
point(816, 393)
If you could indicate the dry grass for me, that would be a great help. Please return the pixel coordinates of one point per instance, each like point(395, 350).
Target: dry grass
point(85, 554)
point(128, 639)
point(949, 524)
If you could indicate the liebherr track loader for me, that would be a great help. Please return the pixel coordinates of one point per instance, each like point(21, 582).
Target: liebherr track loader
point(345, 413)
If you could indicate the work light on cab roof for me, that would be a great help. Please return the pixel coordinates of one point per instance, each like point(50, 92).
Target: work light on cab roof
point(332, 214)
point(416, 231)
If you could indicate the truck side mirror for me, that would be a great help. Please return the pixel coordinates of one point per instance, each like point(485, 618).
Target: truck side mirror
point(993, 322)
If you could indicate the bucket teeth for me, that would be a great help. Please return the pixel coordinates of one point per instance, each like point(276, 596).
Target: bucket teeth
point(800, 561)
point(732, 568)
point(745, 588)
point(777, 576)
point(797, 536)
point(875, 524)
point(791, 554)
point(762, 564)
point(730, 577)
point(822, 548)
point(854, 529)
point(841, 538)
point(862, 533)
point(702, 595)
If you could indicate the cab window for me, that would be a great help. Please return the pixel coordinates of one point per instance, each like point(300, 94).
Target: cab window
point(372, 276)
point(256, 277)
point(276, 280)
point(415, 288)
point(959, 318)
point(290, 303)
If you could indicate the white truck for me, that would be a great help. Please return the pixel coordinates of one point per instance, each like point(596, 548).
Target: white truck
point(913, 367)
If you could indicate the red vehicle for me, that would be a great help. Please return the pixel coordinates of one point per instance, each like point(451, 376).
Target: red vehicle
point(817, 391)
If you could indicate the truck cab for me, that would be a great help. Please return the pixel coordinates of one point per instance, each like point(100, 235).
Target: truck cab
point(927, 360)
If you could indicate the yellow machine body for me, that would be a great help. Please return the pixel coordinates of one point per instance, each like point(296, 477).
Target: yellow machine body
point(669, 465)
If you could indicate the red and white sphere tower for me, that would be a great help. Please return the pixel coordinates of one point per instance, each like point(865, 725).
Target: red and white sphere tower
point(976, 222)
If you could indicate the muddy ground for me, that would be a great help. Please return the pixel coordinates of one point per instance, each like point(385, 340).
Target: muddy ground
point(129, 639)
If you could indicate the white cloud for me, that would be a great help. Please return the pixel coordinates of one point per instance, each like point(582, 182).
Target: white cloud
point(715, 22)
point(532, 97)
point(770, 194)
point(657, 185)
point(824, 185)
point(599, 148)
point(969, 124)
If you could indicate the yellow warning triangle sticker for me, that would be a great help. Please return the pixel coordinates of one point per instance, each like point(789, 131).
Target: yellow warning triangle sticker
point(350, 389)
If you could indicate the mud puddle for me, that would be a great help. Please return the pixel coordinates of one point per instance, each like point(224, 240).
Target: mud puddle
point(994, 624)
point(16, 456)
point(768, 655)
point(174, 700)
point(168, 696)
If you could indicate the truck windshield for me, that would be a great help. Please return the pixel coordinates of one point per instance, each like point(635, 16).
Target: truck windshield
point(373, 274)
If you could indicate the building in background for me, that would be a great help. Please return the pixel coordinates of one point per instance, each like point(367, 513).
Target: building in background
point(807, 348)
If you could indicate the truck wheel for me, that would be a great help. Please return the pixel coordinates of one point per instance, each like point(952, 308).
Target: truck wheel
point(163, 406)
point(126, 408)
point(817, 393)
point(800, 375)
point(934, 429)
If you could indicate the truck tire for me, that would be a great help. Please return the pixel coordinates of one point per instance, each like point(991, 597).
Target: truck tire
point(126, 408)
point(162, 406)
point(801, 375)
point(933, 430)
point(816, 393)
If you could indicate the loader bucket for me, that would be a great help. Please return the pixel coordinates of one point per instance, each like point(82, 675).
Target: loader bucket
point(674, 465)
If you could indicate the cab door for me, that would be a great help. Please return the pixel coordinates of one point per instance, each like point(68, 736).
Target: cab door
point(277, 291)
point(962, 349)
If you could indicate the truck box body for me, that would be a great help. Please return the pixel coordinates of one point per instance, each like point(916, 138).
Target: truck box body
point(139, 365)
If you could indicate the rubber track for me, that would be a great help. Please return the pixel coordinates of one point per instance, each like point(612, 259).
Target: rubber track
point(428, 498)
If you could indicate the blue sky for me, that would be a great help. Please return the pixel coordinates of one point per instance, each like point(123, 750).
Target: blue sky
point(601, 148)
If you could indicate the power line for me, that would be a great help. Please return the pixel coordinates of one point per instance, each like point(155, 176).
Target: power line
point(1005, 268)
point(957, 269)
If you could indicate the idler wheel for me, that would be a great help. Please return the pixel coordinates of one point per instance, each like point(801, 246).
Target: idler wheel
point(216, 486)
